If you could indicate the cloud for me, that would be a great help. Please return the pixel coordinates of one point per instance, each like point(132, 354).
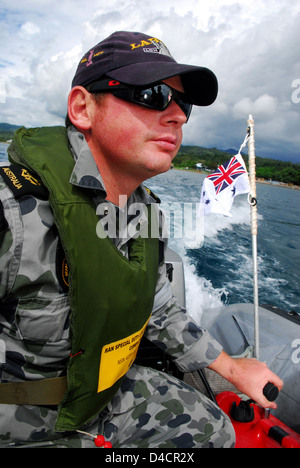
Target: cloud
point(251, 46)
point(264, 106)
point(28, 30)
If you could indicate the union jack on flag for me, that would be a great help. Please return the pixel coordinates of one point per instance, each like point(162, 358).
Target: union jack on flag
point(221, 187)
point(226, 174)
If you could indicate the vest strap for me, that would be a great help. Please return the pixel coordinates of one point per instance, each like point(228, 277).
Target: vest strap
point(46, 392)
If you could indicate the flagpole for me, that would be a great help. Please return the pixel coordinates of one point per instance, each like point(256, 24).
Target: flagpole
point(253, 203)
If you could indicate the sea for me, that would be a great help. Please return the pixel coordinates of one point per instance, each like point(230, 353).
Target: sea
point(217, 250)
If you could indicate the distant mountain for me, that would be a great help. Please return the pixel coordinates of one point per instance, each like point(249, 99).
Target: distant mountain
point(7, 131)
point(8, 127)
point(231, 151)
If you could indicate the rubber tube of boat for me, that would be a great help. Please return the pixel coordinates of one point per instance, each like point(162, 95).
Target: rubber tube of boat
point(270, 391)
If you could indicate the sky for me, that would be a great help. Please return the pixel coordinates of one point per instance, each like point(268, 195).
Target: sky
point(251, 45)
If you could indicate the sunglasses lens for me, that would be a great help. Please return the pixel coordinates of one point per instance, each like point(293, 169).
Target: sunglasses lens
point(157, 97)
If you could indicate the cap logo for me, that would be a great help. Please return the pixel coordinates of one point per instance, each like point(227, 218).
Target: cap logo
point(159, 47)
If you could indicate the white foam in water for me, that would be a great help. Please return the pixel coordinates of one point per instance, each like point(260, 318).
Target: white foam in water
point(200, 293)
point(215, 223)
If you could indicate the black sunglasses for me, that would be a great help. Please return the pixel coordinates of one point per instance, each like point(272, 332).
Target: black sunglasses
point(158, 96)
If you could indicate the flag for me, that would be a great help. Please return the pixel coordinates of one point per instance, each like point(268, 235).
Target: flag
point(226, 182)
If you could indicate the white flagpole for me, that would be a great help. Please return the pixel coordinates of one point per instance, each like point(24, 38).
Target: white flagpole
point(253, 203)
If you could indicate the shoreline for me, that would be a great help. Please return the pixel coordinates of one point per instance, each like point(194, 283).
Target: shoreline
point(278, 184)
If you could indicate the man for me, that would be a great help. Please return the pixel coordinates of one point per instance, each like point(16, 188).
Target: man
point(80, 284)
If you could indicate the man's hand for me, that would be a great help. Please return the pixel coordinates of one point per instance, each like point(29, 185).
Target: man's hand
point(249, 376)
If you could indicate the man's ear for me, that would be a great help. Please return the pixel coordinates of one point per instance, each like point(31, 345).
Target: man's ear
point(78, 108)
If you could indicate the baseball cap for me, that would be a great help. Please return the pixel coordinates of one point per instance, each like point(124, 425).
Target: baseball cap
point(139, 59)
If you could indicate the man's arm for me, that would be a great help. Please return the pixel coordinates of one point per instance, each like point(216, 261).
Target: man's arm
point(247, 375)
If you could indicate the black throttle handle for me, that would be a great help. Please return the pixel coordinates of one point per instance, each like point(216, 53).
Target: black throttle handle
point(271, 392)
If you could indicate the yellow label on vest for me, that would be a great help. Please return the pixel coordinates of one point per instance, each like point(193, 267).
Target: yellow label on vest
point(117, 358)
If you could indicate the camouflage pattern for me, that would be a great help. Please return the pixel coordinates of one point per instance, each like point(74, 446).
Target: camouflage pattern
point(151, 410)
point(165, 413)
point(34, 323)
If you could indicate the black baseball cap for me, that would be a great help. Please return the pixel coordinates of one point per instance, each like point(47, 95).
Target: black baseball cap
point(138, 59)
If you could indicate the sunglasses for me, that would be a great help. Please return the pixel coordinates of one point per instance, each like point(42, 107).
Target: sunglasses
point(158, 96)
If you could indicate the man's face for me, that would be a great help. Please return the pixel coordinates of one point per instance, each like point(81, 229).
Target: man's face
point(134, 140)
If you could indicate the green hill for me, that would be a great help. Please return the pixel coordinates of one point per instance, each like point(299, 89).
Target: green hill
point(7, 131)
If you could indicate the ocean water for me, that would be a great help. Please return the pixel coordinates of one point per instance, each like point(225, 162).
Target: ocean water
point(3, 152)
point(218, 265)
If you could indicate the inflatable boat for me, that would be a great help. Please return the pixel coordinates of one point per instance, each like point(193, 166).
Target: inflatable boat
point(233, 327)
